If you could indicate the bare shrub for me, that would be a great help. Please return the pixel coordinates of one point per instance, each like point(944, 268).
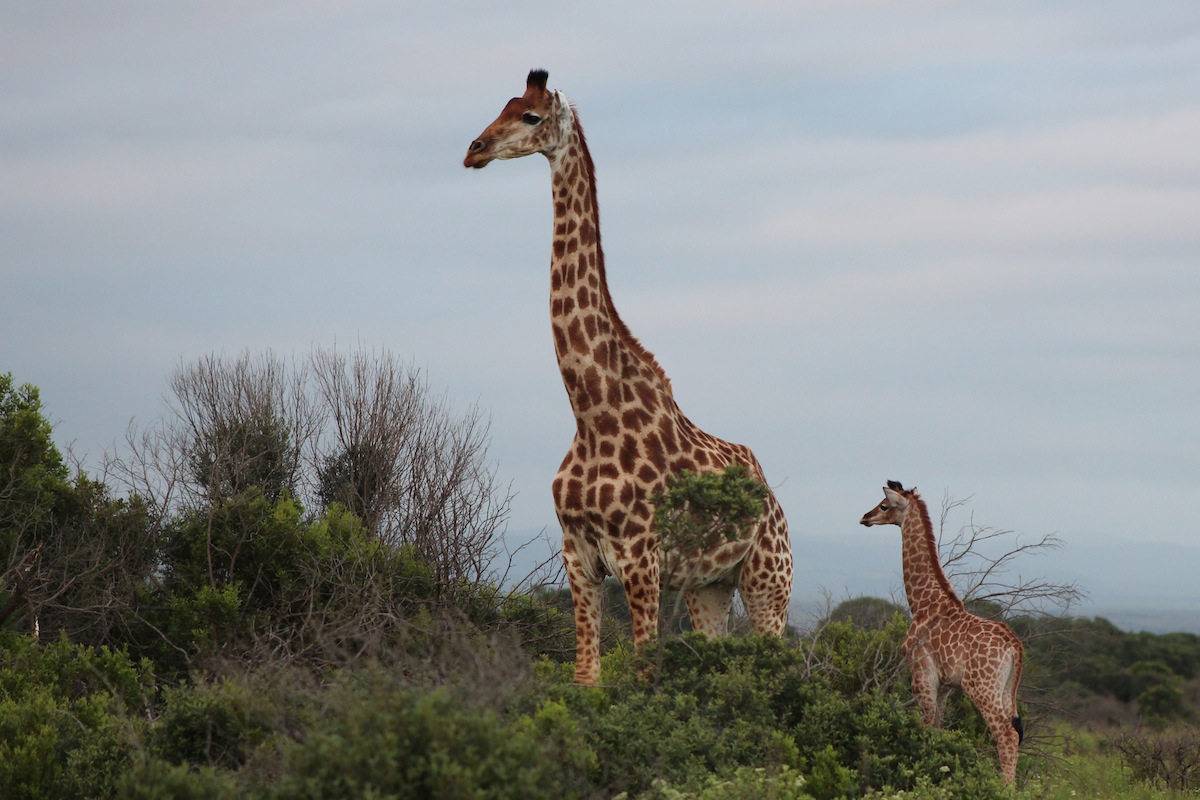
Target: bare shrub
point(359, 429)
point(405, 463)
point(981, 562)
point(230, 425)
point(1169, 758)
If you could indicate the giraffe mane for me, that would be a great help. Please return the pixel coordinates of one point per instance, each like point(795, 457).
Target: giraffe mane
point(623, 332)
point(930, 542)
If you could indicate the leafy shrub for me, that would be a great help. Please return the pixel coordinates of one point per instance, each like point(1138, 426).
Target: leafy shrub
point(154, 779)
point(217, 724)
point(719, 707)
point(250, 569)
point(854, 658)
point(374, 736)
point(746, 783)
point(70, 716)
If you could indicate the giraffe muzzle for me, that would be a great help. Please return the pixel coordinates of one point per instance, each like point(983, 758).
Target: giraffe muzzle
point(476, 158)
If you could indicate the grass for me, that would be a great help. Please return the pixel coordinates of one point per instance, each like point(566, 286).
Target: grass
point(1082, 765)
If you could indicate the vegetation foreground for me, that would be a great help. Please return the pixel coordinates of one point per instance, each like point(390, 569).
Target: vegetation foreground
point(242, 608)
point(737, 718)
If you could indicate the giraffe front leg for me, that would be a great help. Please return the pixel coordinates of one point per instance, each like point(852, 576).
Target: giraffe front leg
point(585, 597)
point(641, 583)
point(926, 685)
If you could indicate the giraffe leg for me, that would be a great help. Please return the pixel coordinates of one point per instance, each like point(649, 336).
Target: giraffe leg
point(585, 596)
point(765, 583)
point(943, 694)
point(993, 694)
point(641, 593)
point(1008, 729)
point(1000, 723)
point(708, 608)
point(766, 603)
point(926, 686)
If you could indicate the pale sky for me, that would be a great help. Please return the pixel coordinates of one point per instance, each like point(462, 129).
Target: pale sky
point(955, 245)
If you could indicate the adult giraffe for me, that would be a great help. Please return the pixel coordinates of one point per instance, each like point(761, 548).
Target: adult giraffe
point(630, 434)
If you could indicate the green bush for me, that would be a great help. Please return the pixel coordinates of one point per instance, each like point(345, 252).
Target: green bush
point(856, 658)
point(373, 736)
point(154, 779)
point(70, 718)
point(746, 783)
point(716, 708)
point(215, 724)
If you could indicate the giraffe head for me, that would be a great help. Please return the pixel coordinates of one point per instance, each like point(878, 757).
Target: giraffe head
point(893, 508)
point(536, 122)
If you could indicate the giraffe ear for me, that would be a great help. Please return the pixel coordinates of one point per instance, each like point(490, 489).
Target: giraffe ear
point(537, 79)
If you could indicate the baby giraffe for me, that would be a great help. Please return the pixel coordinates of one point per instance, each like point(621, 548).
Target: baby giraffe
point(947, 646)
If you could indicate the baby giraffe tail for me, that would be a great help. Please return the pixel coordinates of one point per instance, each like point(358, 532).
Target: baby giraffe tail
point(1014, 682)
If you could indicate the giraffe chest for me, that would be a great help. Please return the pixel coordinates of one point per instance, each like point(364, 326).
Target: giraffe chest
point(621, 457)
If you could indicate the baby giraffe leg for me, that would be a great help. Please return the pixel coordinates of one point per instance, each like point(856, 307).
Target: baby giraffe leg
point(926, 687)
point(1007, 739)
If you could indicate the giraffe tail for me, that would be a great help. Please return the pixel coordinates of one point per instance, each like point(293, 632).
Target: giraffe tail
point(1020, 728)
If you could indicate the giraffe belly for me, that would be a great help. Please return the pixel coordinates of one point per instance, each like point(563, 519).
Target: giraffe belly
point(605, 508)
point(719, 565)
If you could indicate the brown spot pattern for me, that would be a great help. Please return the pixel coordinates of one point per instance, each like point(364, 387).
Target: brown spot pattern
point(629, 431)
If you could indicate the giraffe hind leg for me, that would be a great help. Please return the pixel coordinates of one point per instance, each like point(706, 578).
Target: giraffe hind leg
point(996, 704)
point(1007, 736)
point(766, 590)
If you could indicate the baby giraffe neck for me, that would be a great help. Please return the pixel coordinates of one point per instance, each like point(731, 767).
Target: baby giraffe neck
point(925, 584)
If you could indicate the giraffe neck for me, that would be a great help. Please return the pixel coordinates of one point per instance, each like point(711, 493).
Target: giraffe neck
point(929, 592)
point(603, 366)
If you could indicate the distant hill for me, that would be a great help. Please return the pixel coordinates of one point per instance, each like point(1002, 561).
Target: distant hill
point(1149, 586)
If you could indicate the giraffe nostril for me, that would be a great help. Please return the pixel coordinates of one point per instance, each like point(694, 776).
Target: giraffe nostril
point(477, 145)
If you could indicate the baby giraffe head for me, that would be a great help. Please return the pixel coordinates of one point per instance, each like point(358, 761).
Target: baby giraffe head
point(893, 508)
point(536, 122)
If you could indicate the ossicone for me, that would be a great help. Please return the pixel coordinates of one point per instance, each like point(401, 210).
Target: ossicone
point(895, 486)
point(537, 79)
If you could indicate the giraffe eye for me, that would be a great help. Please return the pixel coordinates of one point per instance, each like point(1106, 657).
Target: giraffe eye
point(530, 118)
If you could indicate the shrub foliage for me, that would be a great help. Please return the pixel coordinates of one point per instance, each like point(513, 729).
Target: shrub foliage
point(236, 643)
